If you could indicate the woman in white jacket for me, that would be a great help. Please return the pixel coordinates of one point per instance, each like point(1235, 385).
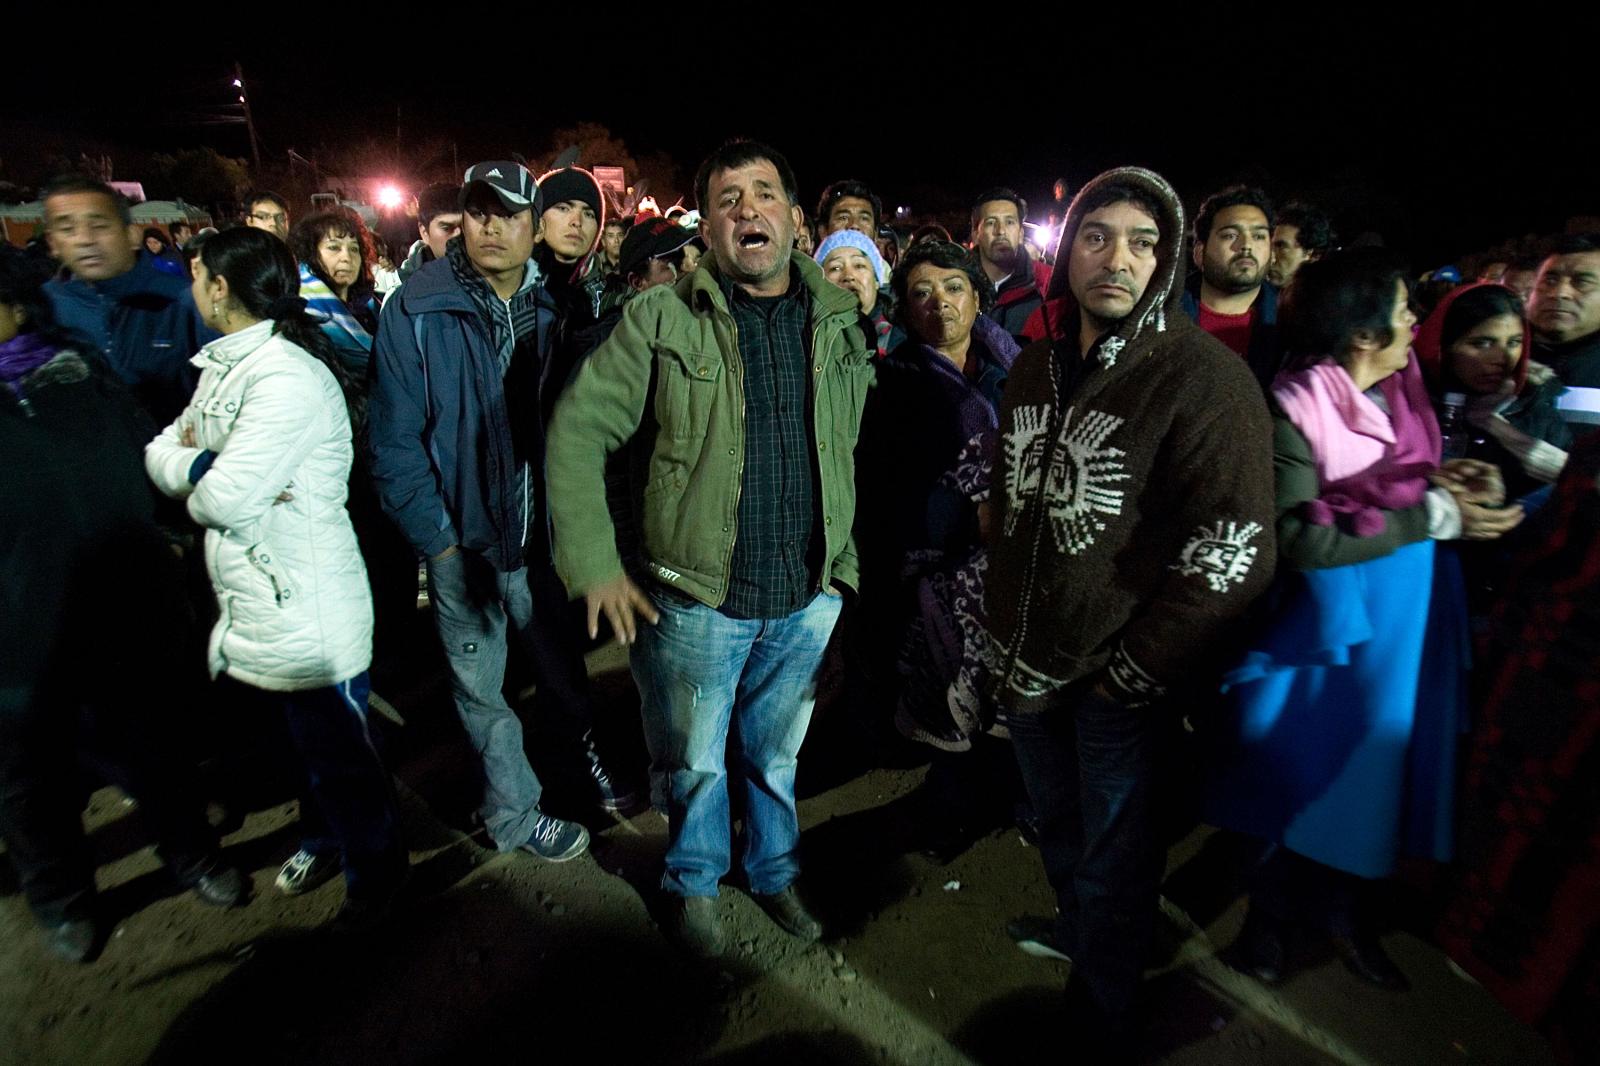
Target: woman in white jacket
point(262, 455)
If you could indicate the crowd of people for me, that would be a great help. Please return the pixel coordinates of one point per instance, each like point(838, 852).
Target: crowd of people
point(1219, 491)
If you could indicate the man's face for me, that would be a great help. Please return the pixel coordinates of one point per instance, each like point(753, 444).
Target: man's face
point(437, 233)
point(1520, 281)
point(656, 272)
point(804, 243)
point(998, 233)
point(88, 236)
point(1112, 260)
point(569, 229)
point(750, 225)
point(1287, 255)
point(849, 268)
point(852, 212)
point(181, 234)
point(495, 240)
point(611, 241)
point(1565, 304)
point(1234, 258)
point(264, 214)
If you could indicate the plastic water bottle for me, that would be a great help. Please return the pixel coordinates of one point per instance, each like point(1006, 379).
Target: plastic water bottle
point(1453, 426)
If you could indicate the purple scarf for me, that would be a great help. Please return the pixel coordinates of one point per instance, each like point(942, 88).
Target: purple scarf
point(1368, 460)
point(21, 355)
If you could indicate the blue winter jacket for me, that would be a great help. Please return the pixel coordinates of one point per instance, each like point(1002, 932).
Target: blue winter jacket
point(145, 327)
point(439, 429)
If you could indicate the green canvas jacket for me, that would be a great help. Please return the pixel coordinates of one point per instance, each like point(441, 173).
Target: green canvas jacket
point(671, 374)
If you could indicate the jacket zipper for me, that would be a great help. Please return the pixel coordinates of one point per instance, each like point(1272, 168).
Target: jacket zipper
point(738, 477)
point(1057, 424)
point(526, 469)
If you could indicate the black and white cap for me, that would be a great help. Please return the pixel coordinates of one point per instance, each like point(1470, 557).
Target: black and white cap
point(512, 183)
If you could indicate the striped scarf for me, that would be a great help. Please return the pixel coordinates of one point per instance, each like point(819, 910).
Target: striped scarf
point(349, 338)
point(507, 320)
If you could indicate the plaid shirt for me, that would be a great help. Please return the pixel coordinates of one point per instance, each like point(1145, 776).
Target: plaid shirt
point(774, 572)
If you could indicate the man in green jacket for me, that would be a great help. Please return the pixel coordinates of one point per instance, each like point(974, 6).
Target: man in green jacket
point(742, 388)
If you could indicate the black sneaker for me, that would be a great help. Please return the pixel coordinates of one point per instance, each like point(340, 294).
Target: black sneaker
point(214, 883)
point(691, 923)
point(613, 797)
point(556, 840)
point(1037, 937)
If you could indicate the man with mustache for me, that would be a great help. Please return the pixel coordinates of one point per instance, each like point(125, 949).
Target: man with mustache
point(1001, 241)
point(1230, 298)
point(741, 387)
point(1565, 311)
point(1133, 523)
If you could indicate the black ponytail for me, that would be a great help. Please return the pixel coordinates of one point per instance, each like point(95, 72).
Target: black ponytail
point(263, 277)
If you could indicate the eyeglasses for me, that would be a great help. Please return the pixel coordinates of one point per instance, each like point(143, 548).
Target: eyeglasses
point(269, 216)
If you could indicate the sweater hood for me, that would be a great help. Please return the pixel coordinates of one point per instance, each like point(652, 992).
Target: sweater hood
point(1163, 297)
point(1429, 342)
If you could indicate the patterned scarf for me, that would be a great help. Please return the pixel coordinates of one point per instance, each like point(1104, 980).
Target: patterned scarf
point(350, 339)
point(507, 321)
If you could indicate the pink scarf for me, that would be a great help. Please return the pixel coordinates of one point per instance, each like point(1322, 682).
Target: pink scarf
point(1367, 461)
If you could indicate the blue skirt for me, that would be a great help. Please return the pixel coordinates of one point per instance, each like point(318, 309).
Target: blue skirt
point(1340, 730)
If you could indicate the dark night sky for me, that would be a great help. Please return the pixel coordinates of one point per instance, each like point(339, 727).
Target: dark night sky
point(1444, 143)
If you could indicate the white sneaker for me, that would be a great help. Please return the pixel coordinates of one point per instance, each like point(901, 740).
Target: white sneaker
point(305, 871)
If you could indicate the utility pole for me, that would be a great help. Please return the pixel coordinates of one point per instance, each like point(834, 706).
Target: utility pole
point(249, 120)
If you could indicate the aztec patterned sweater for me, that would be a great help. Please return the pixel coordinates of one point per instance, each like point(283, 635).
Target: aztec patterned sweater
point(1134, 507)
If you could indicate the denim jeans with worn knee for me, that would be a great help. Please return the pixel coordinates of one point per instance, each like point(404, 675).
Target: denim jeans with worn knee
point(700, 672)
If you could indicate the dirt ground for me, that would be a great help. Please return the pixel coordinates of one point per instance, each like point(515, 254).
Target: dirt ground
point(501, 954)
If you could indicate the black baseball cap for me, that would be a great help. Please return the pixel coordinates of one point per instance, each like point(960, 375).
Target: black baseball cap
point(650, 239)
point(512, 183)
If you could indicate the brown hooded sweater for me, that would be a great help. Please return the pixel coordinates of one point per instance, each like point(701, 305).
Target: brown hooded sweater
point(1135, 513)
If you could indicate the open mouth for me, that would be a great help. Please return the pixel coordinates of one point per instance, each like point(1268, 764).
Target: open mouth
point(754, 240)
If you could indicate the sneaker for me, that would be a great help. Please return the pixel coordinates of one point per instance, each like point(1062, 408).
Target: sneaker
point(613, 797)
point(213, 882)
point(73, 940)
point(691, 923)
point(790, 914)
point(555, 840)
point(1037, 937)
point(305, 871)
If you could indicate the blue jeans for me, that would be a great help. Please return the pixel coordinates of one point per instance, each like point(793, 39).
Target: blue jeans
point(700, 672)
point(1089, 767)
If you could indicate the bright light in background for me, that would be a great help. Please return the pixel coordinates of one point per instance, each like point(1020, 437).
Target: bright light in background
point(237, 84)
point(390, 197)
point(1041, 236)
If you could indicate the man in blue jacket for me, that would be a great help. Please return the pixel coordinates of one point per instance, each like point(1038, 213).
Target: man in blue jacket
point(138, 318)
point(457, 454)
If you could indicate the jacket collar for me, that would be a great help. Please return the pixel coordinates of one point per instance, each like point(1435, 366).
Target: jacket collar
point(827, 299)
point(232, 348)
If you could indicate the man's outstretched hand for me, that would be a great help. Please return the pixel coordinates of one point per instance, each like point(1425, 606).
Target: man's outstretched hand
point(622, 602)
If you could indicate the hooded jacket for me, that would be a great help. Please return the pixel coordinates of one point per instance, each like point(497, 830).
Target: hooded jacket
point(1133, 505)
point(1517, 428)
point(144, 326)
point(440, 428)
point(294, 607)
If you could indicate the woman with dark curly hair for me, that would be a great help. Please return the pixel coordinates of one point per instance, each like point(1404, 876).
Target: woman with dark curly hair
point(335, 252)
point(927, 436)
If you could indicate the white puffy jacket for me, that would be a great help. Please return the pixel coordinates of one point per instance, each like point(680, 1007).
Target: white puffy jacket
point(296, 609)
